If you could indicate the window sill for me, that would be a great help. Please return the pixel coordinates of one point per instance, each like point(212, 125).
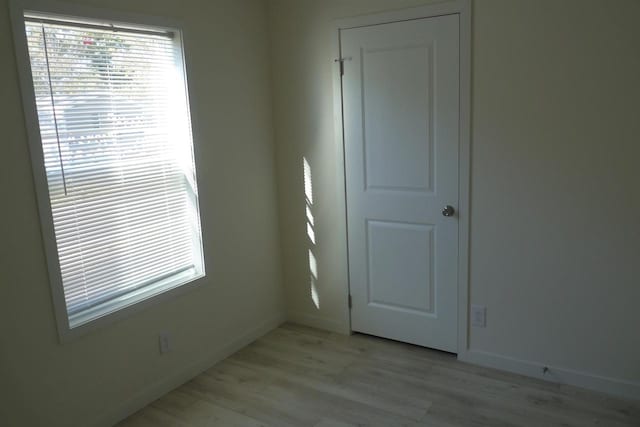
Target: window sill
point(131, 303)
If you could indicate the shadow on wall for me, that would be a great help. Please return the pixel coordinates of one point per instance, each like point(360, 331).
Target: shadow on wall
point(313, 263)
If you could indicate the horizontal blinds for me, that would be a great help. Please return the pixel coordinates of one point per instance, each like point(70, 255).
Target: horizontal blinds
point(117, 147)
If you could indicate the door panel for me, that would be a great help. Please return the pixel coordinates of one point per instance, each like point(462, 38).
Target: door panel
point(397, 146)
point(401, 112)
point(400, 259)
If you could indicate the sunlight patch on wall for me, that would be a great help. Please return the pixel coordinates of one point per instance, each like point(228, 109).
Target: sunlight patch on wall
point(309, 216)
point(311, 234)
point(310, 231)
point(308, 185)
point(313, 265)
point(314, 294)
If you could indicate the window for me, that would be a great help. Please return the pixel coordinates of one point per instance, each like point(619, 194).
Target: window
point(113, 142)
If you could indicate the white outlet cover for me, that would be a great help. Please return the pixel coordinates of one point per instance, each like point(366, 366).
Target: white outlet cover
point(479, 316)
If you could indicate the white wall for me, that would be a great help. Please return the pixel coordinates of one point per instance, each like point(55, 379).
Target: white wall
point(555, 232)
point(117, 368)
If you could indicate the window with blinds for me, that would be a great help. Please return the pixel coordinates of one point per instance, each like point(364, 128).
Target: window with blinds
point(116, 141)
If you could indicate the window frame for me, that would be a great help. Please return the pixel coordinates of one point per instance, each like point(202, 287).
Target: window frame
point(66, 10)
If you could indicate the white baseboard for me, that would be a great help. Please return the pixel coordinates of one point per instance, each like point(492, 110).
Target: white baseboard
point(612, 386)
point(318, 322)
point(165, 385)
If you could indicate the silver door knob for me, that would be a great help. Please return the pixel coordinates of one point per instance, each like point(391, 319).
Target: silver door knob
point(448, 211)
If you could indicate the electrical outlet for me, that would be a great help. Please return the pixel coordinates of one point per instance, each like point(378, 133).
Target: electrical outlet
point(164, 342)
point(479, 316)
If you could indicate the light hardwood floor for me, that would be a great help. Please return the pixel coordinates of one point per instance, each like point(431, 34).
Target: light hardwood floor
point(298, 376)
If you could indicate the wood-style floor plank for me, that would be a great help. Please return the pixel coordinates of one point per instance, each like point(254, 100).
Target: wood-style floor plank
point(299, 376)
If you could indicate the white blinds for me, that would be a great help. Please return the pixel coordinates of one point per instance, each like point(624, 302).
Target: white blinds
point(116, 138)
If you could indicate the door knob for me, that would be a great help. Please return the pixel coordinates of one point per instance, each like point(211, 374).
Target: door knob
point(448, 211)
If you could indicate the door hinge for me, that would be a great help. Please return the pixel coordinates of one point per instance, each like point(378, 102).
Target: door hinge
point(341, 62)
point(350, 302)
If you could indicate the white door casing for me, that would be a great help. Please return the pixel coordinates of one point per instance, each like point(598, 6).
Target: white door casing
point(401, 88)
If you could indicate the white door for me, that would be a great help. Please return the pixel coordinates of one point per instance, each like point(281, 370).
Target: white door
point(401, 111)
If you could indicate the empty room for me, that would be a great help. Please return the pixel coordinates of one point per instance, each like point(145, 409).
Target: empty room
point(323, 213)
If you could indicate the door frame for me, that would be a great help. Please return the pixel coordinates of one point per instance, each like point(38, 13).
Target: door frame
point(448, 7)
